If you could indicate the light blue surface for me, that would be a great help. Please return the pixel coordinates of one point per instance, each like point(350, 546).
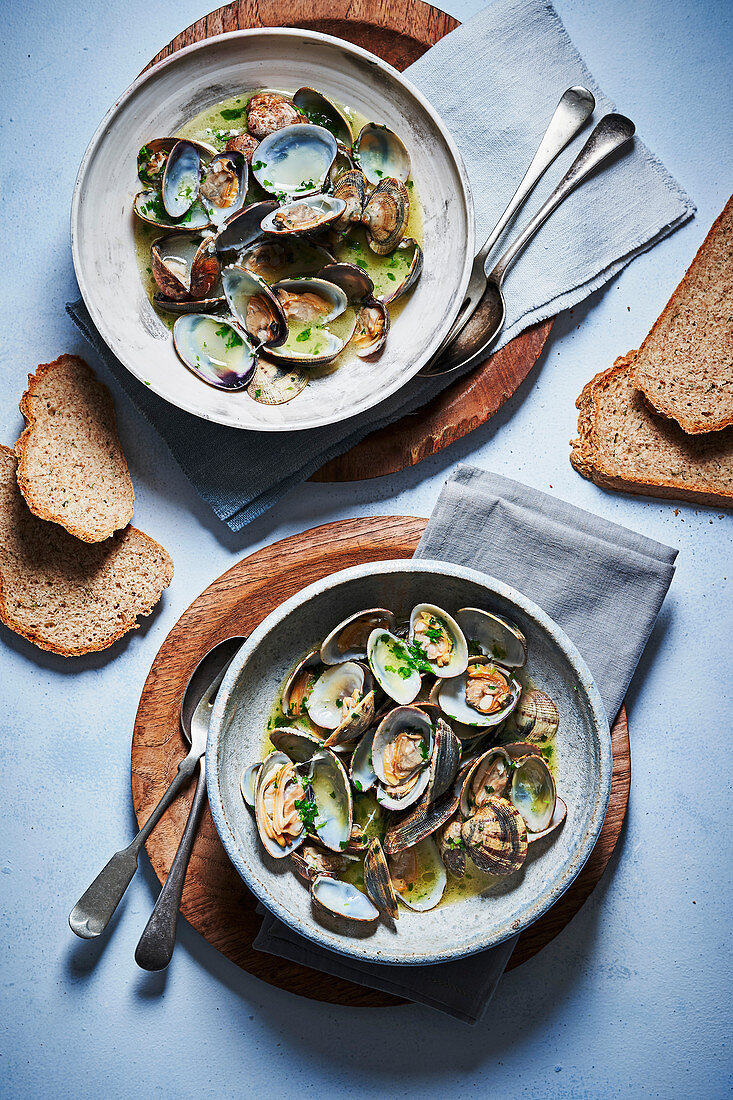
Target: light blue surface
point(632, 999)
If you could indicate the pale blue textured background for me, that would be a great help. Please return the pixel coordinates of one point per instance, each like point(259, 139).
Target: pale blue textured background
point(633, 998)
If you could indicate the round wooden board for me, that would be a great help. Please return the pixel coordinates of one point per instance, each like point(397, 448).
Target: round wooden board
point(399, 33)
point(215, 900)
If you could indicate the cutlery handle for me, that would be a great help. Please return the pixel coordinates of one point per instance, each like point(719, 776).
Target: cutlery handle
point(611, 133)
point(571, 114)
point(93, 911)
point(155, 946)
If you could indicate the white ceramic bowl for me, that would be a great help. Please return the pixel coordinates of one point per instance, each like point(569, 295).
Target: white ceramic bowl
point(582, 759)
point(158, 104)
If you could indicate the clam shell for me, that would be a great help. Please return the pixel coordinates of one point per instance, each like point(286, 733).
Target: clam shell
point(532, 792)
point(493, 636)
point(254, 306)
point(386, 215)
point(291, 696)
point(223, 186)
point(181, 179)
point(148, 206)
point(324, 704)
point(372, 326)
point(216, 351)
point(409, 720)
point(184, 266)
point(341, 899)
point(559, 815)
point(451, 696)
point(444, 761)
point(295, 160)
point(303, 215)
point(276, 383)
point(362, 774)
point(359, 719)
point(248, 783)
point(309, 862)
point(413, 274)
point(491, 770)
point(245, 228)
point(536, 716)
point(418, 876)
point(421, 822)
point(450, 846)
point(354, 281)
point(380, 153)
point(285, 258)
point(270, 765)
point(322, 112)
point(496, 837)
point(329, 785)
point(458, 658)
point(348, 640)
point(386, 651)
point(351, 186)
point(377, 881)
point(300, 745)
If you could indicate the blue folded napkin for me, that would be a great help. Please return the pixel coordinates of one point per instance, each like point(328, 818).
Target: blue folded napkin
point(495, 81)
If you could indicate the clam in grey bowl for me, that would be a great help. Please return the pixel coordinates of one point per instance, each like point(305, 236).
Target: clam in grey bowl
point(186, 85)
point(461, 924)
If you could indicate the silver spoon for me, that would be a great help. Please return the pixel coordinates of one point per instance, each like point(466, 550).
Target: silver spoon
point(484, 325)
point(94, 909)
point(155, 946)
point(571, 114)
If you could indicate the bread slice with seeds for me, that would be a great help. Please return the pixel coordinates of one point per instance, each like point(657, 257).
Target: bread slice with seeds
point(684, 368)
point(71, 469)
point(623, 445)
point(67, 596)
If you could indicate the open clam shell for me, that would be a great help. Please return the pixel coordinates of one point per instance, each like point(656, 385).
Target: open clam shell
point(402, 751)
point(223, 186)
point(414, 271)
point(362, 774)
point(184, 266)
point(295, 160)
point(377, 881)
point(306, 215)
point(348, 640)
point(418, 875)
point(343, 162)
point(329, 786)
point(532, 792)
point(496, 837)
point(336, 686)
point(244, 229)
point(248, 783)
point(385, 216)
point(440, 640)
point(277, 787)
point(300, 745)
point(217, 351)
point(559, 815)
point(354, 724)
point(153, 156)
point(392, 665)
point(372, 327)
point(309, 862)
point(493, 636)
point(354, 281)
point(452, 693)
point(322, 112)
point(285, 258)
point(299, 683)
point(341, 899)
point(254, 306)
point(148, 206)
point(380, 153)
point(309, 305)
point(188, 305)
point(181, 179)
point(445, 760)
point(489, 776)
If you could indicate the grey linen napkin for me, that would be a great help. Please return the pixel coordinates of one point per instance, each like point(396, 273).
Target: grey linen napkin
point(495, 81)
point(602, 583)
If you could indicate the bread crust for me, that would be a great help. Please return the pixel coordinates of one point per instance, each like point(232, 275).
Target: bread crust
point(92, 557)
point(26, 481)
point(586, 457)
point(690, 424)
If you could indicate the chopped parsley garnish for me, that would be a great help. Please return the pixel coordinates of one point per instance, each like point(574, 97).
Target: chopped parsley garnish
point(230, 113)
point(304, 335)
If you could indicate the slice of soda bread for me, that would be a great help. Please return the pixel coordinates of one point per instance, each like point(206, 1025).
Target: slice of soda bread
point(621, 444)
point(71, 468)
point(684, 367)
point(67, 596)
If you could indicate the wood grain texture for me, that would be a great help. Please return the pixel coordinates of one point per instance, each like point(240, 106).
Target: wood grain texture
point(215, 900)
point(399, 33)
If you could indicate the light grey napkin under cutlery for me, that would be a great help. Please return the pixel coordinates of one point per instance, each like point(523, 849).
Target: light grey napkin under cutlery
point(495, 81)
point(602, 583)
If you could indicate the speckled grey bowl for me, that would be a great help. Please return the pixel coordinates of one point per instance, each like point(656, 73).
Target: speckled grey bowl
point(582, 757)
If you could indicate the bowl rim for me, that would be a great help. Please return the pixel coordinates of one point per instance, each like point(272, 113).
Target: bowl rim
point(175, 58)
point(579, 854)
